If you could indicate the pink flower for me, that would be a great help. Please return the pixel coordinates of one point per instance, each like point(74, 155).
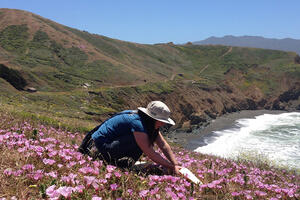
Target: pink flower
point(52, 174)
point(69, 179)
point(235, 193)
point(28, 167)
point(110, 168)
point(180, 195)
point(89, 179)
point(71, 164)
point(117, 174)
point(260, 193)
point(48, 161)
point(52, 193)
point(65, 191)
point(97, 164)
point(130, 191)
point(154, 191)
point(103, 181)
point(95, 185)
point(81, 162)
point(248, 196)
point(96, 198)
point(108, 175)
point(113, 187)
point(85, 170)
point(143, 193)
point(79, 188)
point(18, 172)
point(37, 175)
point(7, 172)
point(52, 153)
point(151, 183)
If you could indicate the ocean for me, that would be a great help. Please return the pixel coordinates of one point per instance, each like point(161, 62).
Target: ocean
point(272, 136)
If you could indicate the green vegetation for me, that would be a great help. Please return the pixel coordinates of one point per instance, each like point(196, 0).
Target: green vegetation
point(157, 88)
point(60, 61)
point(13, 38)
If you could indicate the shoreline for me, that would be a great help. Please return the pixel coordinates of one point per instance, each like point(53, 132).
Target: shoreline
point(191, 141)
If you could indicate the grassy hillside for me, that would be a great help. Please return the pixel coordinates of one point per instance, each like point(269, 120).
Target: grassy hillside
point(84, 77)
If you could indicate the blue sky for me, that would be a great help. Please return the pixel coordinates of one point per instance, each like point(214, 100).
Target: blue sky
point(178, 21)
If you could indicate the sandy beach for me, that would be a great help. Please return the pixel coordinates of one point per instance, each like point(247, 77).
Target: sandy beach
point(194, 139)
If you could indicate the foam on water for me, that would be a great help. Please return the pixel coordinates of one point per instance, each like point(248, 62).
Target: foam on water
point(276, 136)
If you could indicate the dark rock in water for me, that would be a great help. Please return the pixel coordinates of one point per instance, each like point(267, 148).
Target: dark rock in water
point(262, 103)
point(291, 94)
point(210, 114)
point(251, 104)
point(277, 105)
point(197, 119)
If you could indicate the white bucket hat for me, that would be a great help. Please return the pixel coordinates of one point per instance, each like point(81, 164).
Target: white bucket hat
point(158, 111)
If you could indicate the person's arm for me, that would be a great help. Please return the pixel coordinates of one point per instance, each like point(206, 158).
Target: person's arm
point(143, 142)
point(166, 149)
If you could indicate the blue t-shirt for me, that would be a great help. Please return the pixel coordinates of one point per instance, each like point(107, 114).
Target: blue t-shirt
point(123, 123)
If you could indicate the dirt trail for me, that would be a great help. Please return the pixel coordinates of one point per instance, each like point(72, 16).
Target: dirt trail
point(227, 52)
point(204, 68)
point(173, 76)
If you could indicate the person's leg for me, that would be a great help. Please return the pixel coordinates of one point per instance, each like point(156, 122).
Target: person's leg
point(92, 150)
point(87, 142)
point(120, 148)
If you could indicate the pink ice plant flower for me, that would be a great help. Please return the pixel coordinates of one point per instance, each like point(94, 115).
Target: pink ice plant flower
point(52, 193)
point(48, 161)
point(49, 149)
point(69, 179)
point(143, 193)
point(113, 187)
point(89, 179)
point(110, 168)
point(65, 191)
point(96, 198)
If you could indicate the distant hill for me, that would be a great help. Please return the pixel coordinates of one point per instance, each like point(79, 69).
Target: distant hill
point(286, 44)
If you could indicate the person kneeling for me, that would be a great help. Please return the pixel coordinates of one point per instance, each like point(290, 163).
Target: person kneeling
point(123, 138)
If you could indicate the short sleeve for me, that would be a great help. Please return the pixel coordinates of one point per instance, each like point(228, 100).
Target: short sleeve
point(137, 126)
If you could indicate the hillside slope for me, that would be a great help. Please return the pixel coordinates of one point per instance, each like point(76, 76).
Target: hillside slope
point(66, 76)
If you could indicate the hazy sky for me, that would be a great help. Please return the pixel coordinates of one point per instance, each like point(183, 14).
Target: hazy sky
point(178, 21)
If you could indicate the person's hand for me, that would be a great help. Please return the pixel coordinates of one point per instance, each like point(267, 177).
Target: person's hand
point(176, 169)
